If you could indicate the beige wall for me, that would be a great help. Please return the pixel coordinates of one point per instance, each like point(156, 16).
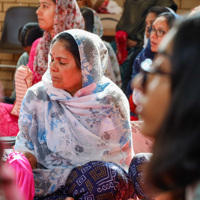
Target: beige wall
point(183, 5)
point(4, 5)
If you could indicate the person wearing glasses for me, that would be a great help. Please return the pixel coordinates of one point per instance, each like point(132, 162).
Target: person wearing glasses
point(160, 27)
point(150, 18)
point(162, 24)
point(170, 110)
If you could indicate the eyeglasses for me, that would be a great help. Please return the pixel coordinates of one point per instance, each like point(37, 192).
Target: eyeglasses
point(149, 29)
point(159, 32)
point(146, 68)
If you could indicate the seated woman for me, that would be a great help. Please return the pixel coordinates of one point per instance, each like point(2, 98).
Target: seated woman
point(152, 14)
point(8, 123)
point(73, 116)
point(54, 16)
point(171, 112)
point(28, 34)
point(93, 24)
point(160, 27)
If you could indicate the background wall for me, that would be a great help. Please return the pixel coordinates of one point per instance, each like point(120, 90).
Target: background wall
point(8, 61)
point(4, 5)
point(183, 5)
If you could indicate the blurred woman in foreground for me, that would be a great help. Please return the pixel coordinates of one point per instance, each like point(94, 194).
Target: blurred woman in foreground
point(171, 110)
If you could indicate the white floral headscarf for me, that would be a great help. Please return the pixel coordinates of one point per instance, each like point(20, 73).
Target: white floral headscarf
point(64, 131)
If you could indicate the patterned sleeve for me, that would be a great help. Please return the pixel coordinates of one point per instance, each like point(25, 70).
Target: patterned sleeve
point(26, 125)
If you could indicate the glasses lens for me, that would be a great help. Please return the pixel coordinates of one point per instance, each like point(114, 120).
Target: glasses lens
point(145, 68)
point(144, 80)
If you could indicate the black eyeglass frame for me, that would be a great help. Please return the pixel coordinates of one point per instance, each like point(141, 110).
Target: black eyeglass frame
point(156, 31)
point(146, 68)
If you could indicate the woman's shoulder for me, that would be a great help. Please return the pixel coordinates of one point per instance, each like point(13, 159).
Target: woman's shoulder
point(36, 42)
point(32, 53)
point(37, 90)
point(34, 46)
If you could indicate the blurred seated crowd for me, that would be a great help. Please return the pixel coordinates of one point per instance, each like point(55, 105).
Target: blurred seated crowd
point(98, 119)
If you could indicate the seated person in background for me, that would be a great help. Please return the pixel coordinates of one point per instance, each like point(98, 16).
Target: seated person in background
point(126, 51)
point(58, 16)
point(132, 25)
point(160, 27)
point(93, 24)
point(133, 17)
point(8, 123)
point(54, 16)
point(27, 35)
point(153, 12)
point(73, 116)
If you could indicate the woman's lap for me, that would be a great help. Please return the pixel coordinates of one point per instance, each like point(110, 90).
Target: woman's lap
point(96, 180)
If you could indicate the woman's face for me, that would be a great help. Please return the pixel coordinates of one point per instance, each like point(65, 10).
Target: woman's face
point(65, 74)
point(159, 30)
point(45, 14)
point(155, 92)
point(148, 23)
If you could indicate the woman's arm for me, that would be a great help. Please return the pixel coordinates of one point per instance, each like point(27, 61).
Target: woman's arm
point(28, 128)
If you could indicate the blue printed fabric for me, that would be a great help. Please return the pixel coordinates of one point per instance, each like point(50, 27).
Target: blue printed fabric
point(137, 174)
point(145, 53)
point(96, 180)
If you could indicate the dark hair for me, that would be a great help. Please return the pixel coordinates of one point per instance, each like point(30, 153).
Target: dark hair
point(69, 44)
point(175, 163)
point(170, 18)
point(88, 16)
point(29, 33)
point(157, 10)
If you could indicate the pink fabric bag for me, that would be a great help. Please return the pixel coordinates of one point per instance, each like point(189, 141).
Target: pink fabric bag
point(23, 173)
point(23, 80)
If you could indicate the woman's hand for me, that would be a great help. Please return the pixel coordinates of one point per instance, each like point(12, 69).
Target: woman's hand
point(69, 198)
point(31, 158)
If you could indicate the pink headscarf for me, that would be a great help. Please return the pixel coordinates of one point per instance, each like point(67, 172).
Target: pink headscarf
point(67, 16)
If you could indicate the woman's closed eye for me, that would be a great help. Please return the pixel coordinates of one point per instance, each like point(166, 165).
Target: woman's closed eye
point(62, 63)
point(52, 59)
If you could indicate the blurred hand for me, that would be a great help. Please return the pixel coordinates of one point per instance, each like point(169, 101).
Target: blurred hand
point(69, 198)
point(8, 189)
point(31, 158)
point(1, 92)
point(164, 196)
